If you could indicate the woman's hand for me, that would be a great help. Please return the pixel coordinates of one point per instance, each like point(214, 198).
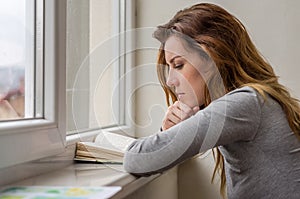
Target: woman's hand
point(177, 113)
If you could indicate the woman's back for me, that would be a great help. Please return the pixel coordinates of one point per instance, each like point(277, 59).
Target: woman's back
point(268, 166)
point(262, 157)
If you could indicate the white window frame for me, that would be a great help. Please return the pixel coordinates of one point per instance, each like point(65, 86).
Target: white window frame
point(30, 139)
point(125, 76)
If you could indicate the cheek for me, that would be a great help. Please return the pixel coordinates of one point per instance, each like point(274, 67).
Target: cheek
point(198, 84)
point(195, 79)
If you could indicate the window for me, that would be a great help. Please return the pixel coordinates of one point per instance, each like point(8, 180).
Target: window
point(17, 60)
point(33, 32)
point(98, 62)
point(76, 71)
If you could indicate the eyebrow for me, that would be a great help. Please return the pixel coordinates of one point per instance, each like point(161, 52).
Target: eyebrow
point(173, 58)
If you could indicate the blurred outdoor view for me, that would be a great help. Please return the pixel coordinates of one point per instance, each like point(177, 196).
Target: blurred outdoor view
point(16, 54)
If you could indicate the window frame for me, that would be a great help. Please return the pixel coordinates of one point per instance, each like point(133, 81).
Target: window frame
point(30, 139)
point(126, 75)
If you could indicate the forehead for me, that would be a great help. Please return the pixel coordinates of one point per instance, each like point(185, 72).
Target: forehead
point(174, 46)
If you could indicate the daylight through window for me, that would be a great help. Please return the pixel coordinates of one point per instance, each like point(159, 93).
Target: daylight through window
point(21, 59)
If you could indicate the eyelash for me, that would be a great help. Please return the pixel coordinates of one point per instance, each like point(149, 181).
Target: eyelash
point(179, 66)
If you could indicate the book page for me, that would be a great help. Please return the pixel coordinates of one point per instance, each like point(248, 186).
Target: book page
point(114, 141)
point(100, 149)
point(100, 153)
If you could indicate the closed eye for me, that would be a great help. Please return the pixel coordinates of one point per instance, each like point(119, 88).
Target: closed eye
point(178, 66)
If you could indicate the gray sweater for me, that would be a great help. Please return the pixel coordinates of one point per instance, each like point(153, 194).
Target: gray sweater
point(262, 155)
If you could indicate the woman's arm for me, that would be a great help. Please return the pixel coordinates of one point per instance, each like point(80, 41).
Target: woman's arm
point(233, 117)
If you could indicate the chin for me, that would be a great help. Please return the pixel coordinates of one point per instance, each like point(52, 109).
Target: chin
point(190, 103)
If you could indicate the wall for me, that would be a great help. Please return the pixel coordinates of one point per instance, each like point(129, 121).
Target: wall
point(274, 28)
point(165, 186)
point(78, 50)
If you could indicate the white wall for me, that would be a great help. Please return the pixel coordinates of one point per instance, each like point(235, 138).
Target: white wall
point(274, 27)
point(150, 99)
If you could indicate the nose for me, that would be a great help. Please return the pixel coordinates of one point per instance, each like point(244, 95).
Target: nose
point(172, 79)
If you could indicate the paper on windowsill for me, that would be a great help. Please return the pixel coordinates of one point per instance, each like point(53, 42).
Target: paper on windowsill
point(59, 192)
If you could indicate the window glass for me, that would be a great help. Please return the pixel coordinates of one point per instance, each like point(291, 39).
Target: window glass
point(92, 64)
point(17, 60)
point(32, 40)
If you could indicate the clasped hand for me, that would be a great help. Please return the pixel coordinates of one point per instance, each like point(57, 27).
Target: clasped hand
point(176, 113)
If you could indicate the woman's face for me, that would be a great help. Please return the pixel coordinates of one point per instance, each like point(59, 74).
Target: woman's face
point(185, 66)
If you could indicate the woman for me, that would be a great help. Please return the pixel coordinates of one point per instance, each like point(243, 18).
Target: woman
point(226, 97)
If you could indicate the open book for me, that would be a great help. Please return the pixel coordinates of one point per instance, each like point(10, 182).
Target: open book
point(107, 148)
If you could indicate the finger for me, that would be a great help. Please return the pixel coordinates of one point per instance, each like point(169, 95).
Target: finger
point(167, 124)
point(177, 113)
point(173, 117)
point(196, 109)
point(175, 110)
point(186, 111)
point(183, 107)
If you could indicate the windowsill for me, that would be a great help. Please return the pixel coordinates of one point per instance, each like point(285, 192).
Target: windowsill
point(61, 170)
point(87, 174)
point(29, 169)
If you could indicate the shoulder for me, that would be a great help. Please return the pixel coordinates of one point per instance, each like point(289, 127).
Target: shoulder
point(237, 114)
point(245, 91)
point(242, 96)
point(244, 102)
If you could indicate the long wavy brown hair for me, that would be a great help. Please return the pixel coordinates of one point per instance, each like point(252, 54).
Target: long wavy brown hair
point(237, 60)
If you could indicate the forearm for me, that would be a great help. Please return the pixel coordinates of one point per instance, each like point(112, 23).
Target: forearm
point(162, 151)
point(232, 118)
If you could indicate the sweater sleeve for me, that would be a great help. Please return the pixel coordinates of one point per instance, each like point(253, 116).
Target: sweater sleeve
point(231, 118)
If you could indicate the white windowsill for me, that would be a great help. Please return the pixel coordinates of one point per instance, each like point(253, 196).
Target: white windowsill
point(61, 170)
point(79, 174)
point(86, 174)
